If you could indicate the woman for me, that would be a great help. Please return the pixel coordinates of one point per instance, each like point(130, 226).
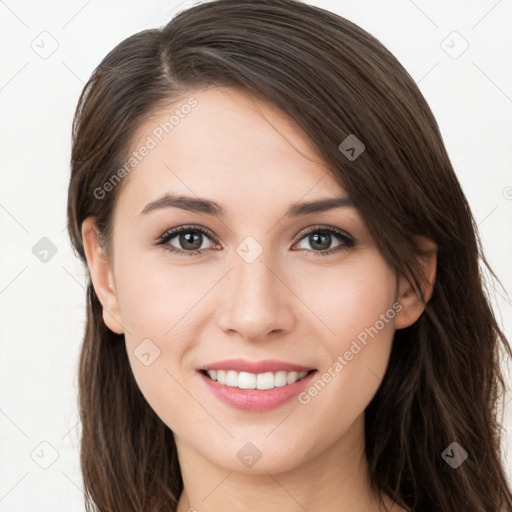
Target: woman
point(223, 363)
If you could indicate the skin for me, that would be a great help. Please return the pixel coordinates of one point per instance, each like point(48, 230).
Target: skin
point(289, 304)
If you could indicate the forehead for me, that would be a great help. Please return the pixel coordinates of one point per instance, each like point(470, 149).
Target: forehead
point(229, 146)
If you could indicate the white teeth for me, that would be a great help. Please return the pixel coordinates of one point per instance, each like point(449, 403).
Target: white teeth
point(245, 380)
point(221, 375)
point(265, 381)
point(280, 379)
point(232, 378)
point(291, 377)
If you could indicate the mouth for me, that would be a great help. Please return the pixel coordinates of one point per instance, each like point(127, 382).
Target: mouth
point(255, 386)
point(260, 381)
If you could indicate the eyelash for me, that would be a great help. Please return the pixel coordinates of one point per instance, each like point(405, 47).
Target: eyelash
point(347, 242)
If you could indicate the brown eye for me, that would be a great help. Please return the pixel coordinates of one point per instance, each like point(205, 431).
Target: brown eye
point(321, 239)
point(186, 240)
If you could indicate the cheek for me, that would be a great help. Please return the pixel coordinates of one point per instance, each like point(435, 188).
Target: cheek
point(156, 298)
point(158, 308)
point(163, 307)
point(357, 308)
point(349, 299)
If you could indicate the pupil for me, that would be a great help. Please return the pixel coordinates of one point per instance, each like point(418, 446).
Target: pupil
point(187, 239)
point(326, 238)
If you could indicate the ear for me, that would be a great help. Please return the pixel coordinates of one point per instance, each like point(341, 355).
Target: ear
point(408, 295)
point(102, 276)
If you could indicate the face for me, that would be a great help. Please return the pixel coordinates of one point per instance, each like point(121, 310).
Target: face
point(258, 294)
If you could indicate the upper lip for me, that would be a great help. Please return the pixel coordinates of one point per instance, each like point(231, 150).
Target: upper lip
point(267, 365)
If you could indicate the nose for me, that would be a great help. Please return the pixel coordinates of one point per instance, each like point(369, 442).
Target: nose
point(256, 300)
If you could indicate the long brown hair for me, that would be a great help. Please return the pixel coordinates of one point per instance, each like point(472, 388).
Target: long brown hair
point(333, 79)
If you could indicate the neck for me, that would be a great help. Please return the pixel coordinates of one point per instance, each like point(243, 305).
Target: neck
point(336, 480)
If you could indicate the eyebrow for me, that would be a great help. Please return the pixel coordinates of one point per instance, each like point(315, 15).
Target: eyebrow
point(200, 205)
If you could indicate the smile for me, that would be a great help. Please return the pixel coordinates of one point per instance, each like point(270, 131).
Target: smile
point(262, 381)
point(255, 386)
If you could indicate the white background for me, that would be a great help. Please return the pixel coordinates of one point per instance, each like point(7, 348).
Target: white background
point(42, 305)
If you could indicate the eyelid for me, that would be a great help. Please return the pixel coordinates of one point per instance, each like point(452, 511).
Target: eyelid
point(325, 227)
point(173, 232)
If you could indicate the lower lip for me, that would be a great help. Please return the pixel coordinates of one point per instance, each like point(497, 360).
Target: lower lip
point(256, 399)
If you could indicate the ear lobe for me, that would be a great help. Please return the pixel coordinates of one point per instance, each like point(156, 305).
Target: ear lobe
point(101, 275)
point(408, 295)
